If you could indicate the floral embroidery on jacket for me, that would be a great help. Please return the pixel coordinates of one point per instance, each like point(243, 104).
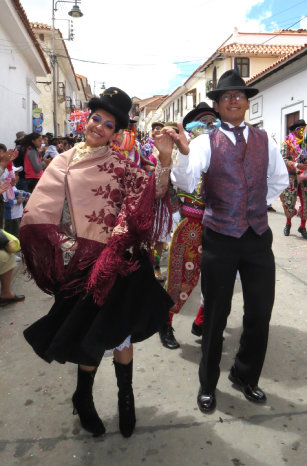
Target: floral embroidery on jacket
point(120, 196)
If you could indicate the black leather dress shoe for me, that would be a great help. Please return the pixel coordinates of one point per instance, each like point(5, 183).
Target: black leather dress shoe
point(197, 329)
point(167, 337)
point(303, 232)
point(206, 401)
point(287, 230)
point(251, 392)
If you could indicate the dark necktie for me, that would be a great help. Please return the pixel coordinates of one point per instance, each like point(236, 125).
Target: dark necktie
point(237, 131)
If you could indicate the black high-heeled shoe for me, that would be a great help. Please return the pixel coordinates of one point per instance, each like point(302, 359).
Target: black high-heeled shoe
point(83, 404)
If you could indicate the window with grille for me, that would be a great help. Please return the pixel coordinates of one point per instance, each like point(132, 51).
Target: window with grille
point(242, 66)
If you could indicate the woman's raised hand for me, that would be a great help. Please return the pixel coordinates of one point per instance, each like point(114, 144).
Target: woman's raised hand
point(168, 137)
point(164, 143)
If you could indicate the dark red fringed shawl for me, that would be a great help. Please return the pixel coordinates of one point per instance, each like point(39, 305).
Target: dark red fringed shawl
point(113, 209)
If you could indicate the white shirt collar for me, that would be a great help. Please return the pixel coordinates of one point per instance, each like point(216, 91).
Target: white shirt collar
point(232, 126)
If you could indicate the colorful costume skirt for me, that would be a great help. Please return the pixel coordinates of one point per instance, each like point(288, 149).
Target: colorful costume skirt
point(185, 254)
point(79, 331)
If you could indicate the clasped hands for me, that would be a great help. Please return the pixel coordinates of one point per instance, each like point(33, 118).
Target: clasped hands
point(165, 141)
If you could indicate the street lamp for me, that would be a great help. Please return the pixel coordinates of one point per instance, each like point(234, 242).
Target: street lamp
point(75, 12)
point(103, 86)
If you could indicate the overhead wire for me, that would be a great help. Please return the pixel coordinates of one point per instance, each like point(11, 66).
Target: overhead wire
point(193, 60)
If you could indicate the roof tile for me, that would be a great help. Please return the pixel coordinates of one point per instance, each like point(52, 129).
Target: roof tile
point(258, 49)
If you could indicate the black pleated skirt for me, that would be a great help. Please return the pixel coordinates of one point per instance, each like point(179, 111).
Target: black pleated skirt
point(79, 331)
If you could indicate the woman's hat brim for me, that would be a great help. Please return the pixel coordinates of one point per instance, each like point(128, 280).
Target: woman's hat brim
point(249, 91)
point(122, 118)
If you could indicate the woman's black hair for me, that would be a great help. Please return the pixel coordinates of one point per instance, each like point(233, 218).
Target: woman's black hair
point(27, 140)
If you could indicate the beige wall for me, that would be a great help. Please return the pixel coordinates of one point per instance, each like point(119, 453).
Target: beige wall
point(46, 104)
point(64, 74)
point(258, 64)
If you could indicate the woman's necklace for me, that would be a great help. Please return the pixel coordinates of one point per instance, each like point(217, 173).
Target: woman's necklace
point(82, 151)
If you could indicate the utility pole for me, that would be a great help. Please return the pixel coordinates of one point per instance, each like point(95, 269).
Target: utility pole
point(54, 76)
point(75, 12)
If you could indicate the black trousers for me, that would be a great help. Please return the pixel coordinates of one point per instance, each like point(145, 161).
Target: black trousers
point(32, 182)
point(12, 226)
point(222, 257)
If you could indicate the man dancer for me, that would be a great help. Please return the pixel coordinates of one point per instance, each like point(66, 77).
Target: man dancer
point(245, 172)
point(294, 152)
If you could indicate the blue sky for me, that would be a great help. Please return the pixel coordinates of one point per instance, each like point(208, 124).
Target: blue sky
point(271, 14)
point(150, 48)
point(283, 13)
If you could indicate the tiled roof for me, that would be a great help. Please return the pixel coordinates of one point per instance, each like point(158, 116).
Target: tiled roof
point(37, 25)
point(251, 49)
point(280, 61)
point(151, 103)
point(258, 49)
point(22, 15)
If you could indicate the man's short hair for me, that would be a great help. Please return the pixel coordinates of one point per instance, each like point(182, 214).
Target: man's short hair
point(3, 147)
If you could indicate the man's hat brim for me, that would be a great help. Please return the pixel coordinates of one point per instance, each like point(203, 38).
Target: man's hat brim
point(249, 91)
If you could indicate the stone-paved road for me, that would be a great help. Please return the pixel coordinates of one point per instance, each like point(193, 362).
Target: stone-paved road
point(37, 426)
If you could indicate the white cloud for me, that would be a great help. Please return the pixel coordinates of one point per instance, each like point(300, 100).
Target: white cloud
point(142, 40)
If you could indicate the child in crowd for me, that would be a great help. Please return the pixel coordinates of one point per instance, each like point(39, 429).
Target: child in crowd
point(52, 149)
point(14, 205)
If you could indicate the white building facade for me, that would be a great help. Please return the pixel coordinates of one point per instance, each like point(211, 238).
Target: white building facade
point(282, 96)
point(21, 61)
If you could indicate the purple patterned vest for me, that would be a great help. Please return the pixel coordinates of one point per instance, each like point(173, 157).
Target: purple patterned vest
point(236, 185)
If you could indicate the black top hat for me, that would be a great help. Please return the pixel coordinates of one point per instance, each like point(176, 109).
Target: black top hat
point(231, 81)
point(157, 123)
point(202, 108)
point(297, 124)
point(116, 102)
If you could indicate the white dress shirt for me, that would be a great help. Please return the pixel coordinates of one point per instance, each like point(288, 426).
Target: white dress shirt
point(187, 172)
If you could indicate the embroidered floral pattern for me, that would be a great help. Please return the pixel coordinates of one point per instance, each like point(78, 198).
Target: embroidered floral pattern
point(120, 196)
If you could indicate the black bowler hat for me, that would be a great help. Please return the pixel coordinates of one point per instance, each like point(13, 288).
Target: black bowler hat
point(116, 102)
point(231, 81)
point(297, 124)
point(202, 109)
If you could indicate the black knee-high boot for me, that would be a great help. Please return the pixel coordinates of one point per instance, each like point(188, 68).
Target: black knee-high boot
point(125, 398)
point(83, 403)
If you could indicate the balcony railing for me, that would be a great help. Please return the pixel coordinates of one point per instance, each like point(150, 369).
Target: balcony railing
point(69, 107)
point(61, 91)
